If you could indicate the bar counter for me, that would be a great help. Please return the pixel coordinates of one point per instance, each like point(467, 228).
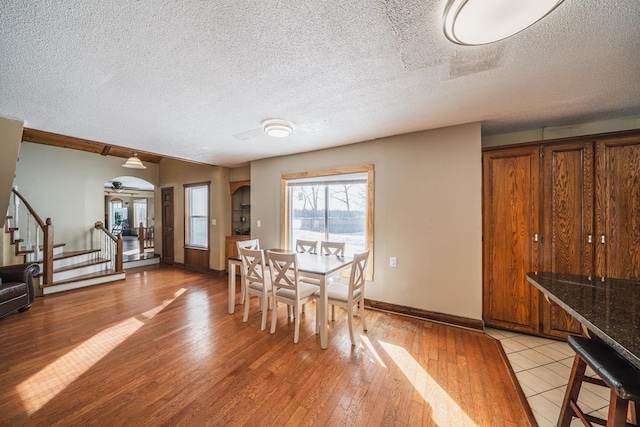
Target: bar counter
point(609, 308)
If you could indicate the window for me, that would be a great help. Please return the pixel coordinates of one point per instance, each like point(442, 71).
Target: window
point(117, 216)
point(196, 214)
point(140, 212)
point(331, 205)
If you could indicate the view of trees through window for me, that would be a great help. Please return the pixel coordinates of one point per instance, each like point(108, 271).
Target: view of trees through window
point(330, 208)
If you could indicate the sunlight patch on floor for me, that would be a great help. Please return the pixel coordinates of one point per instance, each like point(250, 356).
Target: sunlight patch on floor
point(444, 410)
point(369, 346)
point(43, 386)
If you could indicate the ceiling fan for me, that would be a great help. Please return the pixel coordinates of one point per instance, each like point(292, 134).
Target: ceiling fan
point(117, 186)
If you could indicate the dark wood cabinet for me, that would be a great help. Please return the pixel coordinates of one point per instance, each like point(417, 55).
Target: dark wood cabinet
point(510, 179)
point(617, 205)
point(570, 206)
point(567, 223)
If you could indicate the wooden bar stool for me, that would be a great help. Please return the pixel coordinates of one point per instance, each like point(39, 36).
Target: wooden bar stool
point(617, 374)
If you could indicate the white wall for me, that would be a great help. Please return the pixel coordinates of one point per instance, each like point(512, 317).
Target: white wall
point(68, 186)
point(427, 214)
point(175, 174)
point(10, 137)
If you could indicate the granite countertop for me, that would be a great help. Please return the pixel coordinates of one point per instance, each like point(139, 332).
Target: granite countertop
point(610, 308)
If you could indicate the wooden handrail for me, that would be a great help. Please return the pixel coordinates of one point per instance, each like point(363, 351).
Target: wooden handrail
point(39, 220)
point(99, 225)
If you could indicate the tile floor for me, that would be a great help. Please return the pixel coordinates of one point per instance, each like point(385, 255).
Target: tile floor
point(543, 366)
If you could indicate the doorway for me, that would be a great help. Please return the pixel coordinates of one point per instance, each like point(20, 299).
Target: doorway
point(167, 225)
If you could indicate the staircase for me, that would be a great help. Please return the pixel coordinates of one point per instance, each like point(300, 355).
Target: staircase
point(61, 270)
point(77, 269)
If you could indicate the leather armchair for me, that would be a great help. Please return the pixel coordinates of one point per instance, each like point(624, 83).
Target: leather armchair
point(16, 289)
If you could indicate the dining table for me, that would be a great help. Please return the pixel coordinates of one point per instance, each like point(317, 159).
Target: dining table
point(312, 266)
point(608, 307)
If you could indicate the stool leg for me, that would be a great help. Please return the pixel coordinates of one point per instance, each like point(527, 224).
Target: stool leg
point(617, 411)
point(573, 389)
point(632, 416)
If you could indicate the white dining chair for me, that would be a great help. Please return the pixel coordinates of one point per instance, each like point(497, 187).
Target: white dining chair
point(337, 249)
point(309, 246)
point(288, 288)
point(258, 282)
point(246, 244)
point(332, 248)
point(352, 295)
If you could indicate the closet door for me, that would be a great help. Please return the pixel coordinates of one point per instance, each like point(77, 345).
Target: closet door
point(567, 224)
point(618, 208)
point(510, 224)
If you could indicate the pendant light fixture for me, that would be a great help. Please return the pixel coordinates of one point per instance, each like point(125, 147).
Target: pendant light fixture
point(134, 162)
point(477, 22)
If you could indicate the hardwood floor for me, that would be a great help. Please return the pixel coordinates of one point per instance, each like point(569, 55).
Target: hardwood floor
point(160, 349)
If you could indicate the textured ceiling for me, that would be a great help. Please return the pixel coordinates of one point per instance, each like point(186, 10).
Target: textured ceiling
point(194, 79)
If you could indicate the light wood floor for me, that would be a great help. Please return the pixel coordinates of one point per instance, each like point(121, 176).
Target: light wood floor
point(160, 349)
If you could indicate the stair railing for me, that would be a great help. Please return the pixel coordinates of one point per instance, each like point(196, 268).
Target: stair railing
point(36, 231)
point(111, 246)
point(145, 237)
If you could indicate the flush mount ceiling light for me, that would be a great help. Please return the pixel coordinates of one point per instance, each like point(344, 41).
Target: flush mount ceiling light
point(277, 128)
point(475, 22)
point(134, 162)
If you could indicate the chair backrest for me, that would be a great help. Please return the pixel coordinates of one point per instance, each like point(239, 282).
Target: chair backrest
point(309, 246)
point(332, 248)
point(253, 265)
point(358, 273)
point(248, 244)
point(284, 270)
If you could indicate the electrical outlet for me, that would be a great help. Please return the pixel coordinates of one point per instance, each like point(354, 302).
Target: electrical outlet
point(258, 223)
point(393, 262)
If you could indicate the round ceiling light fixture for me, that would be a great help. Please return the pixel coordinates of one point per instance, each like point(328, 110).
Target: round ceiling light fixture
point(277, 128)
point(476, 22)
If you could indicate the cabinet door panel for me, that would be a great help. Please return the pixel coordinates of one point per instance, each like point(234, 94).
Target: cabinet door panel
point(567, 222)
point(618, 208)
point(510, 220)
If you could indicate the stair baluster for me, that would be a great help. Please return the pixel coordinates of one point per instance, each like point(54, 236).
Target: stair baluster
point(111, 245)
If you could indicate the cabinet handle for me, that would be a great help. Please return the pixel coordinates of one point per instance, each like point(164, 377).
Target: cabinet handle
point(589, 238)
point(535, 237)
point(602, 239)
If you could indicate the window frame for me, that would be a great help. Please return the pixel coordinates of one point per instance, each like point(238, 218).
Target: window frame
point(137, 202)
point(285, 203)
point(187, 217)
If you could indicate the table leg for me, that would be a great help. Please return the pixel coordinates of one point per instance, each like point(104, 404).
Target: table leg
point(322, 318)
point(232, 286)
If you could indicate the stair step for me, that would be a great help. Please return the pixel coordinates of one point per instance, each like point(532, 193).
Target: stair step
point(40, 247)
point(71, 254)
point(105, 276)
point(81, 264)
point(103, 273)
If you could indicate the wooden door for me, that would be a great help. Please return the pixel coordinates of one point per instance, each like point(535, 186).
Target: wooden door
point(510, 223)
point(617, 208)
point(567, 223)
point(167, 225)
